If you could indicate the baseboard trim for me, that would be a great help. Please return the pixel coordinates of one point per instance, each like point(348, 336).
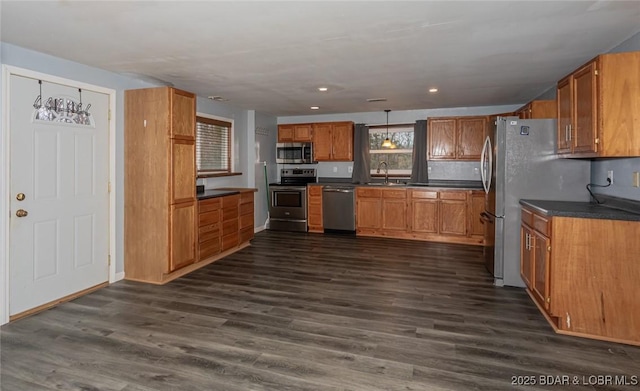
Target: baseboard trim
point(259, 229)
point(118, 277)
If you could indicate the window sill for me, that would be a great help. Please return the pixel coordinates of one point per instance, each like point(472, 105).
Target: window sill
point(217, 174)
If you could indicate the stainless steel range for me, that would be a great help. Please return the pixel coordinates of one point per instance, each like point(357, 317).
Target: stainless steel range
point(288, 206)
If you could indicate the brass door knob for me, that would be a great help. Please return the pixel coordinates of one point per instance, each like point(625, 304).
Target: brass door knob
point(21, 213)
point(20, 197)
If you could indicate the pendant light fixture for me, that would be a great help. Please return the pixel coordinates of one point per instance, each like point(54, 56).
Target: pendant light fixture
point(387, 142)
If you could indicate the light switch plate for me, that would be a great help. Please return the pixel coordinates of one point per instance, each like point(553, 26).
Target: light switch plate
point(350, 169)
point(636, 179)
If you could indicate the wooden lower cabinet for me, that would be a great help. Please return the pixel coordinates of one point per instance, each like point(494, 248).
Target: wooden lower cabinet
point(314, 208)
point(368, 211)
point(230, 226)
point(209, 228)
point(246, 218)
point(182, 235)
point(424, 212)
point(394, 210)
point(476, 206)
point(583, 274)
point(433, 215)
point(453, 213)
point(225, 223)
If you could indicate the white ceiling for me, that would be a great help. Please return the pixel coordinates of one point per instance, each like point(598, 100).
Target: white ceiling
point(272, 56)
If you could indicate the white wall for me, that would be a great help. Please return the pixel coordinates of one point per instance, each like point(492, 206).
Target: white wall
point(40, 62)
point(265, 151)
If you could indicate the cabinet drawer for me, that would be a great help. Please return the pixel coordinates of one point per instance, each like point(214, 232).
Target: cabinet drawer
point(229, 241)
point(209, 248)
point(229, 227)
point(229, 213)
point(395, 193)
point(423, 194)
point(246, 221)
point(541, 224)
point(230, 201)
point(208, 217)
point(315, 190)
point(209, 235)
point(209, 205)
point(527, 217)
point(246, 197)
point(246, 234)
point(208, 228)
point(246, 209)
point(453, 195)
point(366, 192)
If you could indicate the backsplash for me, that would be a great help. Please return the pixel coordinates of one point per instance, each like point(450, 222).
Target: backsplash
point(461, 171)
point(623, 170)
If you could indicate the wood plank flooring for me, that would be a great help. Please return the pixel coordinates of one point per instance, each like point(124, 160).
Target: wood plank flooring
point(308, 312)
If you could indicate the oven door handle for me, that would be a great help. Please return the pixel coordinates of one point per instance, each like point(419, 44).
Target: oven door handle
point(287, 188)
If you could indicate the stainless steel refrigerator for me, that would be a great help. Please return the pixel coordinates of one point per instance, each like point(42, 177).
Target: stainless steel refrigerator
point(519, 161)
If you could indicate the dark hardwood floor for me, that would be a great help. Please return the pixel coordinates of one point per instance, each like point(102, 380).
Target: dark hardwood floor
point(309, 312)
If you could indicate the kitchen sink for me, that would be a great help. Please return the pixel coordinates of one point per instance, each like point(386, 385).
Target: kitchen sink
point(386, 184)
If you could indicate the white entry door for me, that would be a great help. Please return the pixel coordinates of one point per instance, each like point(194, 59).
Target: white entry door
point(59, 175)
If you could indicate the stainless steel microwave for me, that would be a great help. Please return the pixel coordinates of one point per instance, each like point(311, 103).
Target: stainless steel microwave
point(294, 153)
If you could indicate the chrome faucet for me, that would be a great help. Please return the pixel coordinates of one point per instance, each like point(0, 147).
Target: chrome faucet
point(386, 171)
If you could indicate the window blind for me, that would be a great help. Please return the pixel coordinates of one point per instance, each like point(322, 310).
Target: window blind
point(212, 145)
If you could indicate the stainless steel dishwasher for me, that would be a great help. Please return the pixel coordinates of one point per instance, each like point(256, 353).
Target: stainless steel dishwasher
point(339, 209)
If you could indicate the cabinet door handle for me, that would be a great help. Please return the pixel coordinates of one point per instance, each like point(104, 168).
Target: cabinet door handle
point(566, 133)
point(569, 132)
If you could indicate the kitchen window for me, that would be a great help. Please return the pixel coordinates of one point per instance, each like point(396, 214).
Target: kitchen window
point(399, 156)
point(213, 146)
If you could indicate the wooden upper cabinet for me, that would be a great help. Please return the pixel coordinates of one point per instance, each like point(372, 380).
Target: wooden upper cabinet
point(295, 133)
point(441, 134)
point(456, 138)
point(333, 141)
point(342, 141)
point(564, 115)
point(604, 103)
point(471, 134)
point(538, 109)
point(183, 114)
point(322, 142)
point(583, 133)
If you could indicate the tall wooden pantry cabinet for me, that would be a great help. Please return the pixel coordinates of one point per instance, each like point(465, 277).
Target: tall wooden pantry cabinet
point(160, 191)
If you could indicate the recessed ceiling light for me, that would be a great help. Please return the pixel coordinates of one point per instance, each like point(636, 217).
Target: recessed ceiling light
point(377, 100)
point(323, 89)
point(315, 107)
point(432, 90)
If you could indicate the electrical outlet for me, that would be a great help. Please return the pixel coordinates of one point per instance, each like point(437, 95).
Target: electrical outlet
point(610, 176)
point(350, 169)
point(335, 169)
point(636, 179)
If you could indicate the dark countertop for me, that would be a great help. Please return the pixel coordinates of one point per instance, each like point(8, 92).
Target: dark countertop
point(432, 184)
point(213, 193)
point(587, 210)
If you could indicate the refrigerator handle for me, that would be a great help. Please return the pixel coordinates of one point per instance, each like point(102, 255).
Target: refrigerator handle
point(486, 169)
